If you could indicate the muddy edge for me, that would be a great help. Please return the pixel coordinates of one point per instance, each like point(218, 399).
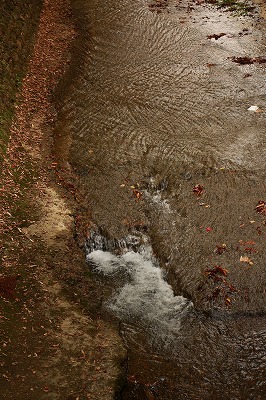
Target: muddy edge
point(55, 343)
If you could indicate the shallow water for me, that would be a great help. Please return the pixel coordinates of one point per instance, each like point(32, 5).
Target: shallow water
point(157, 107)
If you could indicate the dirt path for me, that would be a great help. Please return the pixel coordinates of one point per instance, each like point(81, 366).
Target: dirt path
point(50, 346)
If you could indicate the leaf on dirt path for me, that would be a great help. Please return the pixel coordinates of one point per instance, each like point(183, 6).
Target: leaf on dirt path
point(220, 249)
point(216, 36)
point(246, 259)
point(198, 189)
point(261, 207)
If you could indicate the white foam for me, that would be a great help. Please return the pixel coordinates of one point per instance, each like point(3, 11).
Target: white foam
point(157, 200)
point(104, 261)
point(146, 299)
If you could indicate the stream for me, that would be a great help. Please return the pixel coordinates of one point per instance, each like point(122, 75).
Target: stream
point(158, 129)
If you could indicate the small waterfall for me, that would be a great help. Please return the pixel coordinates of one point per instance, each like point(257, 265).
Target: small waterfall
point(144, 299)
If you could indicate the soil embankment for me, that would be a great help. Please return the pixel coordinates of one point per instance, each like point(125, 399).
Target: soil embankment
point(51, 347)
point(18, 24)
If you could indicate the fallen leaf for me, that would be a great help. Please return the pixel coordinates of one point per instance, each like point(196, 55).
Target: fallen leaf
point(149, 394)
point(259, 231)
point(215, 293)
point(137, 194)
point(232, 288)
point(246, 259)
point(198, 189)
point(250, 250)
point(220, 249)
point(254, 109)
point(216, 36)
point(261, 207)
point(248, 60)
point(227, 301)
point(216, 270)
point(241, 242)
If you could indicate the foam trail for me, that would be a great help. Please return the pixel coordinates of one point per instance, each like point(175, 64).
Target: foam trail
point(146, 300)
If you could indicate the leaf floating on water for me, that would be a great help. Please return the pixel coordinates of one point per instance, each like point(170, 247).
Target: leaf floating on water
point(232, 288)
point(132, 378)
point(248, 60)
point(246, 259)
point(149, 394)
point(261, 207)
point(216, 270)
point(137, 194)
point(220, 249)
point(227, 301)
point(204, 205)
point(254, 109)
point(216, 36)
point(198, 189)
point(252, 242)
point(259, 231)
point(215, 293)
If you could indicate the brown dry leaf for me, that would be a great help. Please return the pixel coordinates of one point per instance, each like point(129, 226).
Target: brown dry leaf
point(261, 207)
point(137, 194)
point(220, 249)
point(216, 270)
point(242, 242)
point(198, 189)
point(246, 259)
point(149, 394)
point(216, 36)
point(227, 301)
point(248, 60)
point(259, 231)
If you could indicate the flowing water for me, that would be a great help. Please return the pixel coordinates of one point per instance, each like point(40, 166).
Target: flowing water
point(158, 106)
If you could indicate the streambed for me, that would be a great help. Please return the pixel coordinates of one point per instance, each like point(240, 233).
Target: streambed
point(159, 106)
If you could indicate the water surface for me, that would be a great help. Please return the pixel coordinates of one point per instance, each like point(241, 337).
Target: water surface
point(157, 108)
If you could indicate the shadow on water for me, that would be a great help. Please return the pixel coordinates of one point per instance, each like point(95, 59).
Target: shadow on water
point(158, 107)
